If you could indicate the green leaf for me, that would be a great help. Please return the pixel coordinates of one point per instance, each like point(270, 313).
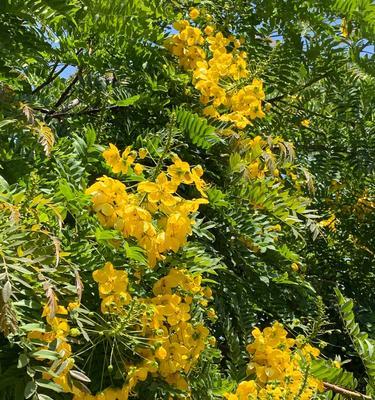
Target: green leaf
point(135, 253)
point(30, 389)
point(128, 102)
point(4, 186)
point(23, 360)
point(5, 122)
point(199, 131)
point(79, 376)
point(49, 385)
point(46, 354)
point(44, 397)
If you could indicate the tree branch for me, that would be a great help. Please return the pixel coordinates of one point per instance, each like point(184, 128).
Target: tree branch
point(345, 392)
point(52, 76)
point(316, 114)
point(88, 111)
point(297, 90)
point(49, 79)
point(66, 93)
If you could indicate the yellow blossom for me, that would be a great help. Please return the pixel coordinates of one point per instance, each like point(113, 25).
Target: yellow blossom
point(138, 169)
point(194, 13)
point(142, 152)
point(305, 123)
point(160, 191)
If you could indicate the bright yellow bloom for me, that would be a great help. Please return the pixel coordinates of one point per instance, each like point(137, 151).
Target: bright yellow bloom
point(295, 267)
point(194, 13)
point(160, 191)
point(117, 163)
point(161, 353)
point(138, 169)
point(336, 364)
point(73, 306)
point(179, 171)
point(305, 123)
point(208, 30)
point(142, 152)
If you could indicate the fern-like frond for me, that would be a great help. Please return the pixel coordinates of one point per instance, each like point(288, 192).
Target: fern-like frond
point(197, 129)
point(364, 346)
point(45, 136)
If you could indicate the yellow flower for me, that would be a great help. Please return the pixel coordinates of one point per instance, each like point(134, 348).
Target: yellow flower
point(295, 267)
point(246, 389)
point(160, 191)
point(117, 163)
point(142, 152)
point(211, 314)
point(210, 111)
point(336, 364)
point(194, 13)
point(161, 353)
point(208, 30)
point(112, 156)
point(344, 28)
point(230, 396)
point(196, 174)
point(180, 171)
point(207, 292)
point(138, 169)
point(73, 306)
point(305, 123)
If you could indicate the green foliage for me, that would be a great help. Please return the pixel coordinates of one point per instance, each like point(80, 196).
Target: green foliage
point(324, 370)
point(363, 345)
point(198, 130)
point(76, 75)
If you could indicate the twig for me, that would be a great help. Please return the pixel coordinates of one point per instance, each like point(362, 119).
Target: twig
point(88, 111)
point(52, 76)
point(49, 79)
point(315, 113)
point(66, 93)
point(297, 90)
point(345, 392)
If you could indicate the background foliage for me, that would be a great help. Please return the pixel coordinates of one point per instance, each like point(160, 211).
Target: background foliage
point(76, 75)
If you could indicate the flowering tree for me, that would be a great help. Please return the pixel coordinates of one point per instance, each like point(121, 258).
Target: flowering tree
point(186, 199)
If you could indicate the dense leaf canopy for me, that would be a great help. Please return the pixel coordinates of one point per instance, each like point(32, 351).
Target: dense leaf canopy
point(213, 158)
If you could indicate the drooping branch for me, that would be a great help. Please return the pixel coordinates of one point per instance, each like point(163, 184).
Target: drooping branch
point(345, 392)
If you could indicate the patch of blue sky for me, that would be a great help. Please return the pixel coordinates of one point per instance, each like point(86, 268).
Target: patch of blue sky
point(68, 71)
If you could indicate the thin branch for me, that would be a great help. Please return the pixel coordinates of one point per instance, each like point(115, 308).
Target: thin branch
point(297, 90)
point(87, 111)
point(49, 79)
point(316, 114)
point(345, 392)
point(66, 93)
point(52, 76)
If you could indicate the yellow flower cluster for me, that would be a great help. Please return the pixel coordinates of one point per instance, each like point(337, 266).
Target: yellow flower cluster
point(113, 286)
point(280, 368)
point(56, 318)
point(177, 343)
point(174, 343)
point(121, 164)
point(256, 158)
point(217, 65)
point(329, 223)
point(365, 205)
point(154, 215)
